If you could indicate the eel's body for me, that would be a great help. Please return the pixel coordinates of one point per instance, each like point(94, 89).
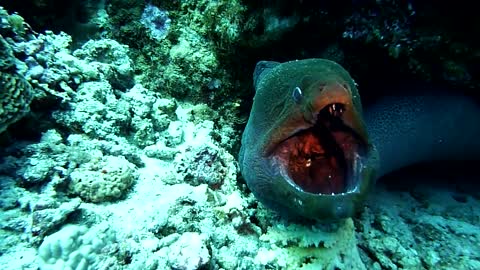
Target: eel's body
point(308, 149)
point(426, 125)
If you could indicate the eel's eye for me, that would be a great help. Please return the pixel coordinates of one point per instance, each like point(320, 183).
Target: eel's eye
point(336, 109)
point(297, 95)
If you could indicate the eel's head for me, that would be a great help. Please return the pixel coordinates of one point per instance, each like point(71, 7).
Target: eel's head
point(323, 153)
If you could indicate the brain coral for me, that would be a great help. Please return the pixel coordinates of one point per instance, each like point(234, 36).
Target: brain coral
point(103, 180)
point(15, 92)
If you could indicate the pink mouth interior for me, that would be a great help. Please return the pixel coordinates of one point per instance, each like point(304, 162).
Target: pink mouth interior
point(320, 160)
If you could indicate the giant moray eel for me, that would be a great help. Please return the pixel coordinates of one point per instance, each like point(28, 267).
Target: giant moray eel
point(309, 150)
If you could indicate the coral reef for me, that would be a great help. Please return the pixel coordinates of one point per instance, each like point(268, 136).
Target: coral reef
point(191, 60)
point(42, 161)
point(16, 92)
point(133, 165)
point(94, 101)
point(82, 19)
point(403, 30)
point(181, 251)
point(213, 165)
point(103, 178)
point(110, 59)
point(392, 237)
point(16, 98)
point(322, 246)
point(156, 21)
point(76, 247)
point(50, 67)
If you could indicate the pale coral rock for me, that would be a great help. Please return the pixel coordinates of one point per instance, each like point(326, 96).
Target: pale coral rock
point(328, 246)
point(166, 106)
point(96, 111)
point(106, 179)
point(49, 63)
point(206, 164)
point(40, 161)
point(45, 220)
point(175, 133)
point(10, 193)
point(189, 252)
point(161, 151)
point(75, 247)
point(140, 100)
point(110, 59)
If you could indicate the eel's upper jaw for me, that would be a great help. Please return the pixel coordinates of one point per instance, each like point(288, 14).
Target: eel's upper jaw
point(327, 158)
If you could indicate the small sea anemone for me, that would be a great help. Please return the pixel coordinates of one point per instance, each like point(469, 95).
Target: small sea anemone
point(156, 20)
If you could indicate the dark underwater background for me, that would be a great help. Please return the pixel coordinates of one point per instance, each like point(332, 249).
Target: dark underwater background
point(120, 126)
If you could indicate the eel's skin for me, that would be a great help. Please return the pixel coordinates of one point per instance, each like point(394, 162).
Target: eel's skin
point(425, 125)
point(291, 103)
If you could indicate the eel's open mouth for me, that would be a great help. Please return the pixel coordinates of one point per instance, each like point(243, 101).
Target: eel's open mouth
point(325, 158)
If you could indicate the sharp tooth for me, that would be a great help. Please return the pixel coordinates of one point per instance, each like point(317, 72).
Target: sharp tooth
point(331, 109)
point(357, 164)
